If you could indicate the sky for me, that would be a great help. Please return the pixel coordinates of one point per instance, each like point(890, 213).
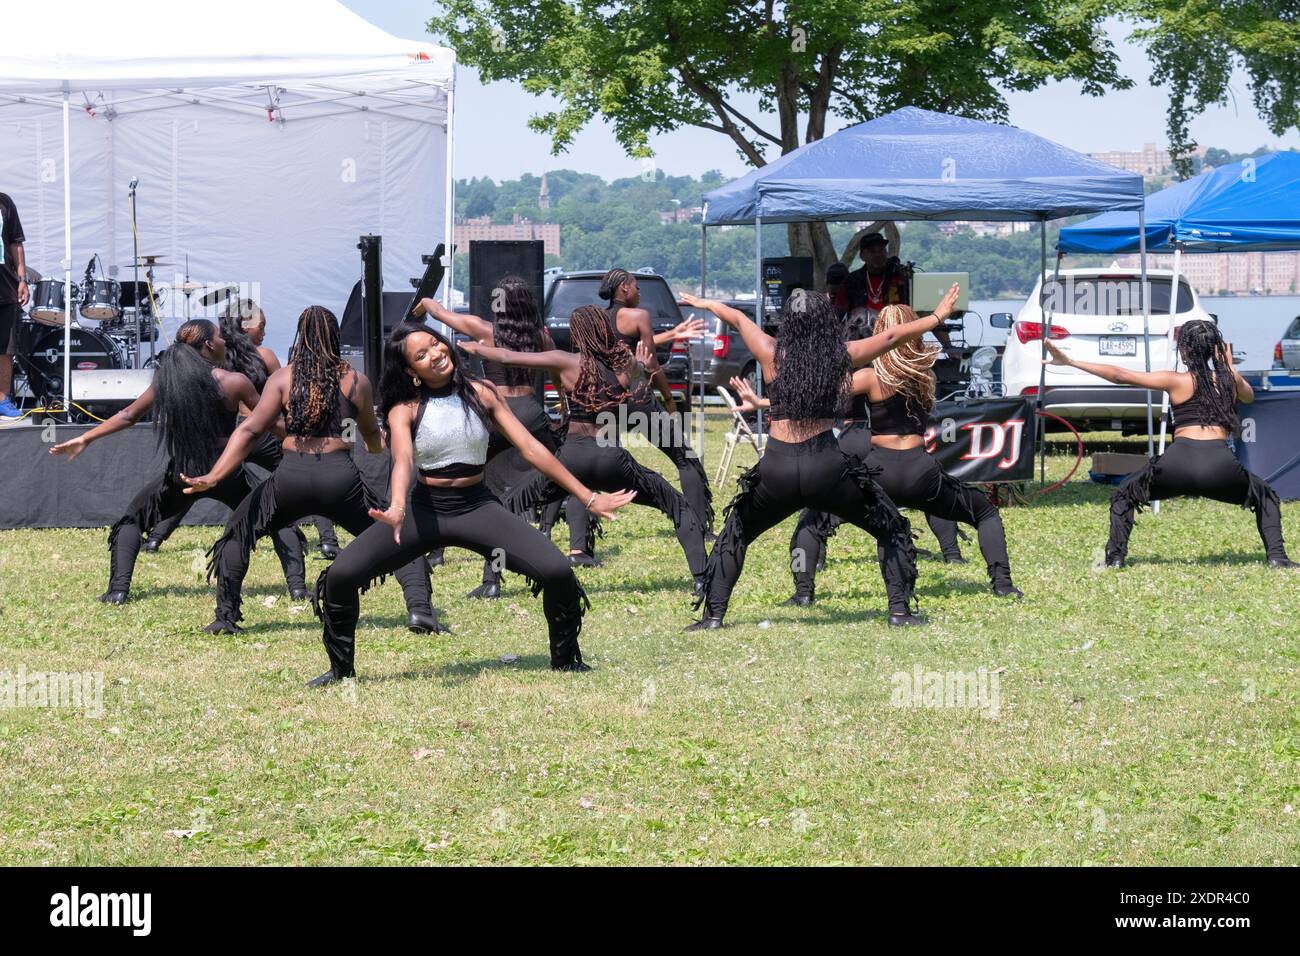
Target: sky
point(493, 139)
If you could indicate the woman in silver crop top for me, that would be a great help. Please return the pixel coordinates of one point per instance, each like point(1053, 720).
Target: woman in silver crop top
point(322, 400)
point(1199, 462)
point(597, 380)
point(516, 324)
point(437, 418)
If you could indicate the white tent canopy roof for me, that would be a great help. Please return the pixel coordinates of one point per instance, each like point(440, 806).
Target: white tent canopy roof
point(86, 46)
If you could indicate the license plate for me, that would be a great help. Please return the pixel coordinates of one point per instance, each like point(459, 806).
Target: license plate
point(1118, 345)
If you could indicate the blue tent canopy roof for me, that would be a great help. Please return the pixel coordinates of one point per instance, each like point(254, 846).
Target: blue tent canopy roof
point(915, 164)
point(1253, 205)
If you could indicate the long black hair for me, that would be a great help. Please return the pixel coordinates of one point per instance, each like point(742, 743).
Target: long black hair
point(517, 326)
point(241, 354)
point(396, 385)
point(598, 344)
point(1203, 349)
point(813, 371)
point(317, 370)
point(188, 408)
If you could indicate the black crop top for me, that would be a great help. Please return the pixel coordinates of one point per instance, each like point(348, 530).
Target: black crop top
point(501, 375)
point(332, 427)
point(581, 413)
point(1191, 412)
point(897, 415)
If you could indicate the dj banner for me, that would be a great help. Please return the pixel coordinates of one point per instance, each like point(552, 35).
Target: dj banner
point(986, 440)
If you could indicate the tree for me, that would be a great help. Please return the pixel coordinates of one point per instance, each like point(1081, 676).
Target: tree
point(1195, 45)
point(649, 66)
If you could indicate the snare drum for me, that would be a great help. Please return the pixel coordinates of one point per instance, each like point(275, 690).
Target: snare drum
point(101, 300)
point(49, 300)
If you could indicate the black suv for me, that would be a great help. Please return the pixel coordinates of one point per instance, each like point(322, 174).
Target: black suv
point(572, 289)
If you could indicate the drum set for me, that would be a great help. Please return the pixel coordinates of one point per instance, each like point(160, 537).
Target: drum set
point(112, 323)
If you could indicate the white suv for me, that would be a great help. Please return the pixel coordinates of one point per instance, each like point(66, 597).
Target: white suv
point(1096, 316)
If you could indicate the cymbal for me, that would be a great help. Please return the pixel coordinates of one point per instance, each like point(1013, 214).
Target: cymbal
point(189, 288)
point(149, 261)
point(219, 295)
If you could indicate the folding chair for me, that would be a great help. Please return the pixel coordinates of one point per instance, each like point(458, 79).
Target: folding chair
point(739, 432)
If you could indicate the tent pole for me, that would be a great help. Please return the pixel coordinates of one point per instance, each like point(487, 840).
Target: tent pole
point(67, 263)
point(1146, 323)
point(1172, 355)
point(704, 294)
point(450, 212)
point(758, 313)
point(1040, 425)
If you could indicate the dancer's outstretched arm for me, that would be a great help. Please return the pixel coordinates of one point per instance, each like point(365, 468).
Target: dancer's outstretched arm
point(265, 412)
point(122, 419)
point(1156, 381)
point(864, 351)
point(462, 322)
point(760, 344)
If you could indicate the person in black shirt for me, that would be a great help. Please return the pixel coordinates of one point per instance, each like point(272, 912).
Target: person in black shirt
point(13, 296)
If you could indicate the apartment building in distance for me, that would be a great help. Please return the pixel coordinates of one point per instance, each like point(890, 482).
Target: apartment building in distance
point(1241, 273)
point(465, 230)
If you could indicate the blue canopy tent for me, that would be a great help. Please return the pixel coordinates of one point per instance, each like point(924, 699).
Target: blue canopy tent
point(1250, 206)
point(916, 164)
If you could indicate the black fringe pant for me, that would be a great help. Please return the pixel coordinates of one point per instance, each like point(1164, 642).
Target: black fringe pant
point(814, 474)
point(266, 455)
point(305, 483)
point(469, 518)
point(506, 468)
point(603, 466)
point(666, 433)
point(164, 499)
point(815, 528)
point(1204, 468)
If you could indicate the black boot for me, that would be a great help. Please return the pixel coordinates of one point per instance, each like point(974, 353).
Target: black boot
point(223, 627)
point(1008, 590)
point(338, 635)
point(1282, 563)
point(299, 594)
point(420, 623)
point(329, 552)
point(324, 680)
point(583, 560)
point(799, 600)
point(488, 590)
point(151, 545)
point(566, 655)
point(954, 557)
point(904, 619)
point(113, 597)
point(706, 623)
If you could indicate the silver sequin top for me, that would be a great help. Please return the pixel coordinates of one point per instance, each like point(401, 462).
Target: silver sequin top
point(449, 434)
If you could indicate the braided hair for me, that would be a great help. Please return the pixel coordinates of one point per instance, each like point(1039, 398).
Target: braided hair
point(317, 372)
point(597, 343)
point(241, 354)
point(1202, 347)
point(188, 407)
point(396, 387)
point(518, 326)
point(906, 369)
point(613, 281)
point(813, 371)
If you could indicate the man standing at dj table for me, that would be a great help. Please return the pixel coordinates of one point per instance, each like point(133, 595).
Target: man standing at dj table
point(13, 296)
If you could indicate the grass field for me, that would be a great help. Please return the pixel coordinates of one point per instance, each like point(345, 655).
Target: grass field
point(1144, 716)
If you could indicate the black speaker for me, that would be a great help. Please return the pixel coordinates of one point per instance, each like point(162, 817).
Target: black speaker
point(352, 325)
point(490, 261)
point(781, 276)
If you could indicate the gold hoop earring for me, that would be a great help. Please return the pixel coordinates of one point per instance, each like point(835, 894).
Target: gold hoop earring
point(415, 380)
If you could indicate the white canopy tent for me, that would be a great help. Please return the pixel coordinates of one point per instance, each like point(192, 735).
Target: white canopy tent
point(266, 137)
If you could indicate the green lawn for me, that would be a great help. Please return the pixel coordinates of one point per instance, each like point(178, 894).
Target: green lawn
point(1145, 716)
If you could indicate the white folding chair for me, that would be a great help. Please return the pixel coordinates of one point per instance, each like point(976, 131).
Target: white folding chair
point(739, 432)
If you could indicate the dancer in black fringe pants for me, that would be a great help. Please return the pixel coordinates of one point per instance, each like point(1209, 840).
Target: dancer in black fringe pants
point(517, 326)
point(195, 402)
point(900, 390)
point(437, 419)
point(318, 392)
point(1203, 404)
point(808, 371)
point(596, 380)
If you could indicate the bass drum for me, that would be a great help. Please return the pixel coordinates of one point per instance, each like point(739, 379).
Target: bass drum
point(88, 349)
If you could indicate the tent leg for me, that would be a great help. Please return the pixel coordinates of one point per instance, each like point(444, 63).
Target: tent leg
point(449, 213)
point(1040, 423)
point(759, 309)
point(1171, 353)
point(67, 264)
point(704, 285)
point(1146, 326)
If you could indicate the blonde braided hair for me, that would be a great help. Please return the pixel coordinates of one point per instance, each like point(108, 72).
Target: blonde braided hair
point(907, 368)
